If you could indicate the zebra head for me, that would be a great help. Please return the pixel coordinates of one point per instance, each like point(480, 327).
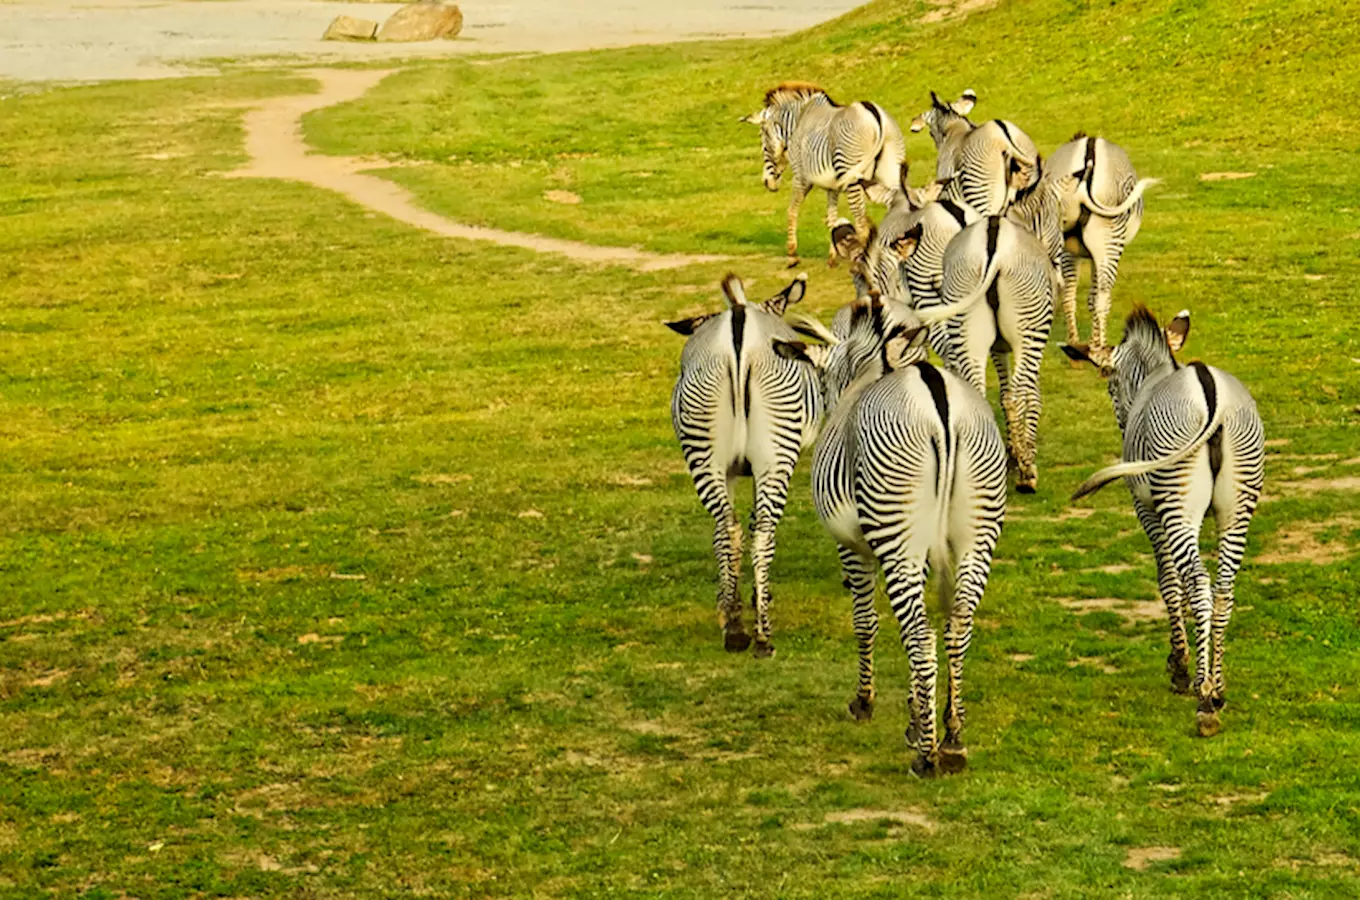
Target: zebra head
point(773, 144)
point(942, 118)
point(1146, 349)
point(878, 338)
point(875, 259)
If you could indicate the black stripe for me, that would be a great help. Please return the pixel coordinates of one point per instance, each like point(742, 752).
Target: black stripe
point(738, 329)
point(747, 393)
point(954, 210)
point(1090, 162)
point(993, 230)
point(934, 382)
point(873, 110)
point(1004, 130)
point(1215, 442)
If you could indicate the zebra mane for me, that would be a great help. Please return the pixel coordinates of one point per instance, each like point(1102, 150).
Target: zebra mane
point(1143, 330)
point(1078, 136)
point(793, 90)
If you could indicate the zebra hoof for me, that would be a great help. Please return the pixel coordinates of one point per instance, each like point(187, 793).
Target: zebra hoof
point(736, 641)
point(1219, 702)
point(1025, 487)
point(1208, 724)
point(793, 262)
point(862, 708)
point(924, 767)
point(953, 758)
point(763, 650)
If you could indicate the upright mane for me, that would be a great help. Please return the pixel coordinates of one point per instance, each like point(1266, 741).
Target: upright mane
point(793, 91)
point(1143, 329)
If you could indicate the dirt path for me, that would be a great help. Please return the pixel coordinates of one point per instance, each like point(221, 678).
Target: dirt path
point(277, 150)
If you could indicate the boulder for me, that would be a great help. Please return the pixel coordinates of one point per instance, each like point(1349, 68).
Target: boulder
point(348, 28)
point(422, 21)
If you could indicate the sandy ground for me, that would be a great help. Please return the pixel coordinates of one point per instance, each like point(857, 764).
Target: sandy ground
point(277, 150)
point(95, 40)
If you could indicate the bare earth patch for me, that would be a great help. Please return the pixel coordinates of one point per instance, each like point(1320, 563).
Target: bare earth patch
point(1225, 176)
point(1131, 610)
point(955, 9)
point(1299, 543)
point(1098, 663)
point(900, 817)
point(276, 149)
point(1020, 657)
point(564, 197)
point(1139, 858)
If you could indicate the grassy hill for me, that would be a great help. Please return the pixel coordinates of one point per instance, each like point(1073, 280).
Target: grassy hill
point(341, 560)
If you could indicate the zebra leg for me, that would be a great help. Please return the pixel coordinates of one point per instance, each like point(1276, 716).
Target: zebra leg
point(906, 581)
point(1182, 542)
point(772, 492)
point(969, 582)
point(1232, 543)
point(860, 578)
point(798, 192)
point(1104, 238)
point(1069, 298)
point(727, 548)
point(858, 199)
point(1001, 361)
point(1169, 585)
point(1027, 403)
point(833, 215)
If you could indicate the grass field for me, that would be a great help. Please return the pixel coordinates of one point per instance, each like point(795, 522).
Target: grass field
point(339, 559)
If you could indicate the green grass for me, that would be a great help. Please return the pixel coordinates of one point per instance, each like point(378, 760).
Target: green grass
point(219, 395)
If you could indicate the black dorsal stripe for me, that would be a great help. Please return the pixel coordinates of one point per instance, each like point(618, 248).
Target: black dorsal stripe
point(993, 232)
point(873, 110)
point(1004, 130)
point(956, 211)
point(1090, 162)
point(934, 382)
point(1215, 442)
point(738, 331)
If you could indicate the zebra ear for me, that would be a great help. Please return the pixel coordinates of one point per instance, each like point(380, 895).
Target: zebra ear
point(755, 118)
point(906, 244)
point(900, 347)
point(688, 326)
point(1178, 330)
point(846, 241)
point(733, 290)
point(918, 124)
point(1079, 353)
point(964, 105)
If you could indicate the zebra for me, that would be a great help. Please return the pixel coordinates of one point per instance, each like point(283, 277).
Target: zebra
point(949, 125)
point(1193, 442)
point(1101, 213)
point(857, 149)
point(876, 263)
point(739, 409)
point(909, 473)
point(996, 259)
point(985, 165)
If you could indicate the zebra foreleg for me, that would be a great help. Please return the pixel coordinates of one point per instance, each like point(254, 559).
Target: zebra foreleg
point(906, 579)
point(1169, 585)
point(798, 192)
point(860, 578)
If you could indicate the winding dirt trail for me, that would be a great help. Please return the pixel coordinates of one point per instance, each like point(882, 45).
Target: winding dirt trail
point(277, 150)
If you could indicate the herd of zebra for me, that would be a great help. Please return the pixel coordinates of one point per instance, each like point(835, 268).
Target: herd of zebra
point(910, 469)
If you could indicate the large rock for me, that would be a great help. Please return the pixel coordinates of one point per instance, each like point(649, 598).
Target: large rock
point(348, 28)
point(422, 22)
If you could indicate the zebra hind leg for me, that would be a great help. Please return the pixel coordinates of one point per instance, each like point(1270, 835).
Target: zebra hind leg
point(1069, 298)
point(1183, 545)
point(772, 492)
point(906, 579)
point(833, 215)
point(727, 549)
point(1169, 586)
point(1026, 404)
point(860, 578)
point(1232, 543)
point(969, 583)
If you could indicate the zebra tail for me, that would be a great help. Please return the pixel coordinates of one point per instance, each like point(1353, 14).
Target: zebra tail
point(944, 483)
point(934, 315)
point(1142, 467)
point(1111, 212)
